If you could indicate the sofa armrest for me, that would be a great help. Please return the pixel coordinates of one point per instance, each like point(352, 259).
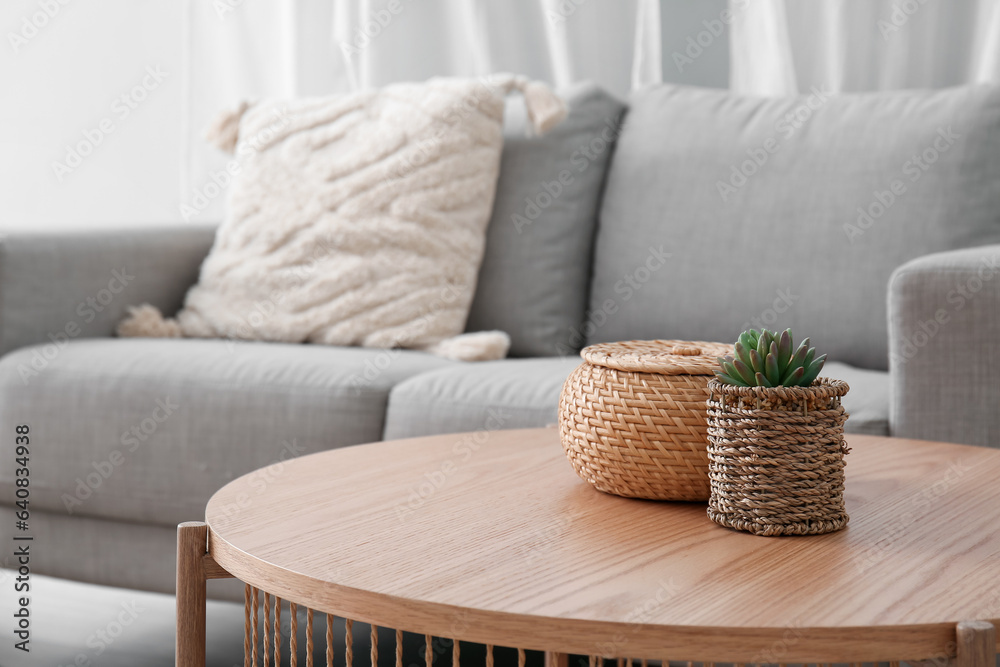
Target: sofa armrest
point(75, 285)
point(944, 347)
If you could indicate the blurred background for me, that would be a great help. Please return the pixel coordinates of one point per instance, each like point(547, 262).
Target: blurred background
point(105, 103)
point(69, 67)
point(155, 72)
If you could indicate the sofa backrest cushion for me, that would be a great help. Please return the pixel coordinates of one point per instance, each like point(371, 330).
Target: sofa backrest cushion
point(725, 211)
point(535, 275)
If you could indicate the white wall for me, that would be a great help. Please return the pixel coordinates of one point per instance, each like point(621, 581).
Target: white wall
point(76, 79)
point(60, 84)
point(102, 99)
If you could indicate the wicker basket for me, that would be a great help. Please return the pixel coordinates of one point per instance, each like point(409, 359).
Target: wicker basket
point(632, 417)
point(776, 458)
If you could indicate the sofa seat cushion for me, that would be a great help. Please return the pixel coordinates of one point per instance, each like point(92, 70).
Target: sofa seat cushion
point(867, 403)
point(146, 430)
point(524, 393)
point(486, 396)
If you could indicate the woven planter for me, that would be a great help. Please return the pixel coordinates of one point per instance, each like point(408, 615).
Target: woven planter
point(632, 417)
point(776, 458)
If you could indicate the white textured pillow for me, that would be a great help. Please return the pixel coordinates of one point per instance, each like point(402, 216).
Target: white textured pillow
point(357, 219)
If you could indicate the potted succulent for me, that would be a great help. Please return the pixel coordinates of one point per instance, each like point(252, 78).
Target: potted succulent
point(776, 439)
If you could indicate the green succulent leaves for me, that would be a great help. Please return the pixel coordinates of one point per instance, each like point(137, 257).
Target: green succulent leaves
point(766, 359)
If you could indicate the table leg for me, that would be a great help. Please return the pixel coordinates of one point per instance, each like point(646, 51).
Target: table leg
point(192, 544)
point(976, 644)
point(556, 659)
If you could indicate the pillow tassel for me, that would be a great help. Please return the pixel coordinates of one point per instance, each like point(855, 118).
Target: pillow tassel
point(224, 130)
point(545, 108)
point(474, 346)
point(147, 321)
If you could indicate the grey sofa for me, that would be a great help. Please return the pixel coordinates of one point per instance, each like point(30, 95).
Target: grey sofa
point(131, 436)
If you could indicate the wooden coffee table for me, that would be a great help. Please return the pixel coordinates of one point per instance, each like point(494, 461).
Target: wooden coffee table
point(492, 538)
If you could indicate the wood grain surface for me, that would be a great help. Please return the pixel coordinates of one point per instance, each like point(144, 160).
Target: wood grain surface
point(191, 591)
point(492, 537)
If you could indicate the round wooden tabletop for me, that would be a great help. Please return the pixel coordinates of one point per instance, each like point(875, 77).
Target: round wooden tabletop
point(491, 537)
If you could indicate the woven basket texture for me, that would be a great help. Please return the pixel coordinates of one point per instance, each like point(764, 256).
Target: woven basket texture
point(776, 458)
point(632, 417)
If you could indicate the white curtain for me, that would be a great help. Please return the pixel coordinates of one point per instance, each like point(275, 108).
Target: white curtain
point(783, 47)
point(66, 72)
point(561, 41)
point(241, 49)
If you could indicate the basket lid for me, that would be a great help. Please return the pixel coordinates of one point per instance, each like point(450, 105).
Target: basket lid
point(667, 357)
